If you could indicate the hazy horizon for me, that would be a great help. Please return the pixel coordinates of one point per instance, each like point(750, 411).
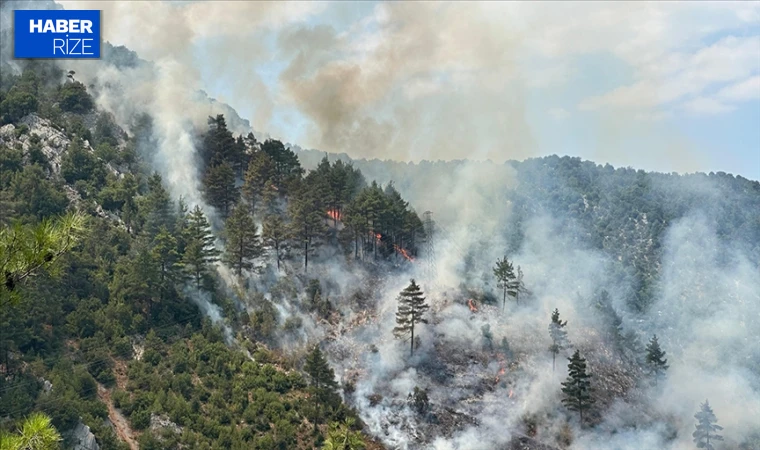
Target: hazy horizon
point(660, 87)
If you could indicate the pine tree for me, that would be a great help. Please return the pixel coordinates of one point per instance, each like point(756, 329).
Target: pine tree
point(506, 279)
point(158, 207)
point(706, 428)
point(27, 250)
point(286, 164)
point(411, 307)
point(558, 335)
point(127, 193)
point(307, 226)
point(258, 177)
point(577, 386)
point(180, 226)
point(166, 257)
point(275, 235)
point(136, 278)
point(199, 229)
point(200, 251)
point(656, 361)
point(243, 245)
point(239, 158)
point(36, 432)
point(320, 373)
point(321, 376)
point(218, 144)
point(220, 189)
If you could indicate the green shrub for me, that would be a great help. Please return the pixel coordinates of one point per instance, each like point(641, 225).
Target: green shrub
point(17, 104)
point(73, 97)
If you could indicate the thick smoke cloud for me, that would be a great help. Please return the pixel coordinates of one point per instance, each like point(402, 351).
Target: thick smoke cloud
point(372, 91)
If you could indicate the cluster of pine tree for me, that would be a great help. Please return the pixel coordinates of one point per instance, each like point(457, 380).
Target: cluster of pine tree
point(110, 286)
point(577, 387)
point(252, 182)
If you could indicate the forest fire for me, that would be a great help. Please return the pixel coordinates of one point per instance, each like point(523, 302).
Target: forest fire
point(334, 214)
point(401, 251)
point(404, 253)
point(502, 367)
point(471, 305)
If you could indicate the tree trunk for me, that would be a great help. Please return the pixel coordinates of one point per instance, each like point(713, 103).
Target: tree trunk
point(305, 255)
point(554, 358)
point(411, 353)
point(240, 260)
point(504, 301)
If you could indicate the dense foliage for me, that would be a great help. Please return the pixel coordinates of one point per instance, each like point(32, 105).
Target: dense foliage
point(622, 212)
point(118, 329)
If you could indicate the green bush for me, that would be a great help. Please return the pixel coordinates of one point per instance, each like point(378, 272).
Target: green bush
point(73, 97)
point(17, 104)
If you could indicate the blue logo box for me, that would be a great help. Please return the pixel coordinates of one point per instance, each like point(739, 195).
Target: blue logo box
point(59, 34)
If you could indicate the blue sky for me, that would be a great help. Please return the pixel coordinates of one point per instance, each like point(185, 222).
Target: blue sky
point(659, 86)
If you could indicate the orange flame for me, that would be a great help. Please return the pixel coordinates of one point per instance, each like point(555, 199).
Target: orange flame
point(502, 371)
point(334, 214)
point(511, 393)
point(403, 253)
point(472, 306)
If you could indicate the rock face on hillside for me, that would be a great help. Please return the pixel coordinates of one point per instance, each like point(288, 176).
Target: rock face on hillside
point(161, 423)
point(82, 438)
point(53, 140)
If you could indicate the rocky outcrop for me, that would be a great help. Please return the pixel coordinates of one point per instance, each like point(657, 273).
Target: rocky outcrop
point(52, 140)
point(82, 438)
point(160, 424)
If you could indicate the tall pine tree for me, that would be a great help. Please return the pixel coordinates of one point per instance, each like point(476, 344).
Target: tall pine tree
point(322, 378)
point(320, 373)
point(200, 251)
point(275, 235)
point(220, 189)
point(411, 307)
point(157, 207)
point(243, 245)
point(577, 386)
point(558, 335)
point(258, 177)
point(166, 257)
point(286, 164)
point(706, 428)
point(218, 143)
point(506, 279)
point(307, 226)
point(656, 362)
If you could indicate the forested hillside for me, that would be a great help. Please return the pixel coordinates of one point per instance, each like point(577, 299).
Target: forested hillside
point(622, 212)
point(120, 326)
point(173, 279)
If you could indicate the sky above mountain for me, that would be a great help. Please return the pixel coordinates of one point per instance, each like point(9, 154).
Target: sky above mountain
point(659, 86)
